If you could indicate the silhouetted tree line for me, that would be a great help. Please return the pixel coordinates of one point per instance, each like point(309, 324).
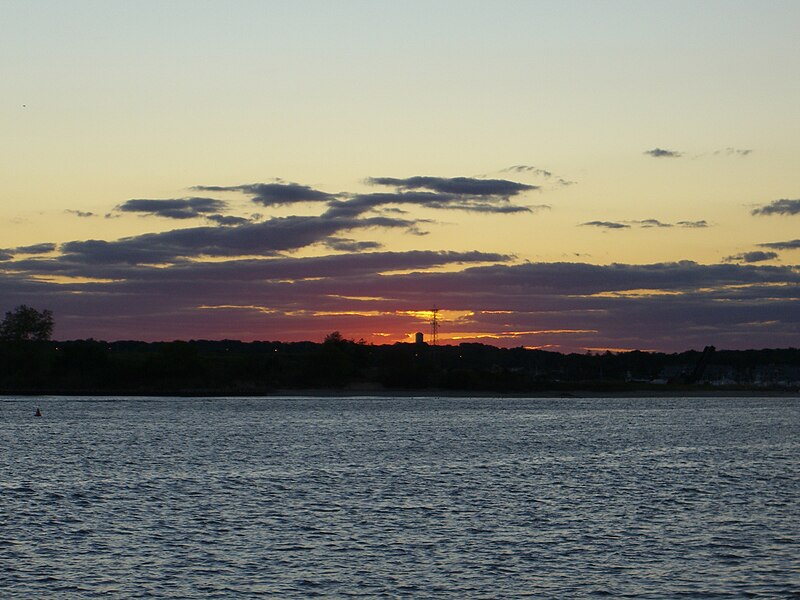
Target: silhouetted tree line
point(229, 367)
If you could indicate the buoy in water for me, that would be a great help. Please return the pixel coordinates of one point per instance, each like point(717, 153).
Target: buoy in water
point(38, 412)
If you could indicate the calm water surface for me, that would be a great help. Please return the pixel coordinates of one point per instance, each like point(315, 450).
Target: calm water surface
point(391, 497)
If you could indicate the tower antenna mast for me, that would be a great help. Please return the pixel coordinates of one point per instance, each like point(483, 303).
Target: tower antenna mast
point(435, 325)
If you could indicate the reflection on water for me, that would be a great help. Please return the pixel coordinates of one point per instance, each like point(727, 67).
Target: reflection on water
point(478, 498)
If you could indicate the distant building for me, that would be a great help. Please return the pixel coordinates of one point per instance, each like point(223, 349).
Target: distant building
point(419, 338)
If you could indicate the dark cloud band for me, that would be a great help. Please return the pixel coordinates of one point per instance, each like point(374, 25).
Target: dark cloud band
point(790, 245)
point(605, 225)
point(266, 238)
point(752, 257)
point(646, 224)
point(180, 208)
point(457, 186)
point(273, 194)
point(620, 304)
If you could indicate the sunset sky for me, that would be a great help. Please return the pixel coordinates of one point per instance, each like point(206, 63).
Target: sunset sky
point(559, 175)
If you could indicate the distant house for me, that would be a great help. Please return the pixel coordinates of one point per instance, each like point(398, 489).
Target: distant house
point(776, 374)
point(719, 375)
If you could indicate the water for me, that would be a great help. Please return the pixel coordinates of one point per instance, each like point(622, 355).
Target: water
point(390, 497)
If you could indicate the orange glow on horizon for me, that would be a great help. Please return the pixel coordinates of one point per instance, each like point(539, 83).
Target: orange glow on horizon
point(616, 350)
point(501, 335)
point(67, 279)
point(253, 307)
point(359, 298)
point(637, 293)
point(443, 315)
point(394, 326)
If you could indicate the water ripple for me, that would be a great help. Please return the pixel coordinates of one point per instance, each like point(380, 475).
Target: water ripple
point(400, 498)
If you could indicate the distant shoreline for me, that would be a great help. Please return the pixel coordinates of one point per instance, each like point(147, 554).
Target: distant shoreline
point(577, 394)
point(347, 368)
point(421, 393)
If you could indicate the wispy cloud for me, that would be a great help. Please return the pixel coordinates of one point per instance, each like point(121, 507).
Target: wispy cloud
point(228, 220)
point(733, 152)
point(80, 213)
point(647, 223)
point(457, 186)
point(350, 245)
point(538, 172)
point(444, 193)
point(724, 152)
point(779, 207)
point(752, 257)
point(252, 272)
point(265, 238)
point(362, 203)
point(35, 249)
point(606, 225)
point(789, 245)
point(273, 194)
point(179, 208)
point(7, 254)
point(528, 169)
point(662, 153)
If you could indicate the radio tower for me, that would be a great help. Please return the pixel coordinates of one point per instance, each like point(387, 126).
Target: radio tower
point(435, 325)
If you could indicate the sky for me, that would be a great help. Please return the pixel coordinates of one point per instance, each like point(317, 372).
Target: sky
point(573, 176)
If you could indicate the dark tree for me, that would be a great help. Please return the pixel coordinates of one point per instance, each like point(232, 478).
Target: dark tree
point(26, 323)
point(334, 338)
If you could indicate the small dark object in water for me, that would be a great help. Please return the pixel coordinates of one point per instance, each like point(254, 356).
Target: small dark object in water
point(38, 412)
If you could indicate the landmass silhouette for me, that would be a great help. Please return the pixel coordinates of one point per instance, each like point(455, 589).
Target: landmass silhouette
point(229, 367)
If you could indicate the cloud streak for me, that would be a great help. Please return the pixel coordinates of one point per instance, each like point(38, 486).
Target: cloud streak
point(227, 220)
point(35, 249)
point(537, 172)
point(662, 153)
point(363, 203)
point(265, 238)
point(742, 152)
point(606, 225)
point(181, 208)
point(789, 245)
point(441, 193)
point(273, 194)
point(457, 186)
point(528, 169)
point(648, 223)
point(645, 224)
point(349, 245)
point(783, 206)
point(752, 257)
point(7, 254)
